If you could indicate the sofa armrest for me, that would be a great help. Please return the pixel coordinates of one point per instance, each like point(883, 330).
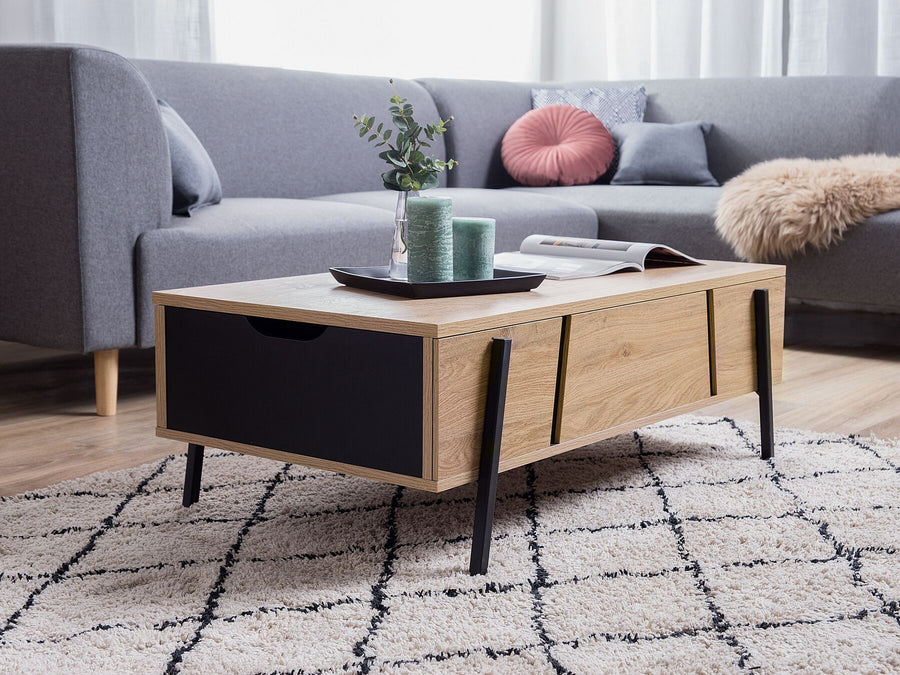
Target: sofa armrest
point(84, 171)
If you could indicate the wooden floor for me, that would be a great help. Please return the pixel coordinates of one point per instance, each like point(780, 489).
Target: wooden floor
point(48, 430)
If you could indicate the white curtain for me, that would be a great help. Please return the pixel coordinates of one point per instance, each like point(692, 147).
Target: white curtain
point(644, 39)
point(151, 29)
point(485, 39)
point(844, 37)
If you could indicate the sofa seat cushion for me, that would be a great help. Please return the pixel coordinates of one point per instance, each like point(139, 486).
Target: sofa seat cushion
point(680, 216)
point(517, 214)
point(243, 238)
point(858, 273)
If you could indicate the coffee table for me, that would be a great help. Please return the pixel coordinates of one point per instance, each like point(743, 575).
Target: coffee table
point(433, 394)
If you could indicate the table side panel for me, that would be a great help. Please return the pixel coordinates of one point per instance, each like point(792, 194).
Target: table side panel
point(427, 408)
point(733, 335)
point(338, 394)
point(159, 315)
point(462, 366)
point(629, 362)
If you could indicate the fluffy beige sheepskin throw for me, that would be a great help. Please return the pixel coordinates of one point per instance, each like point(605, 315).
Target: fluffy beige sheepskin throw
point(778, 208)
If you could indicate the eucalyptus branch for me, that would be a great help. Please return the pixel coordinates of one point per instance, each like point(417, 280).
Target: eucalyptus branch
point(370, 127)
point(410, 169)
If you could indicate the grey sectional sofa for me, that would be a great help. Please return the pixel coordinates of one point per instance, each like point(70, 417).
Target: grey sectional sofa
point(86, 231)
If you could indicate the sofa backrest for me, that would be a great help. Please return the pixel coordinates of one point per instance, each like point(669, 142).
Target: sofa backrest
point(281, 133)
point(482, 112)
point(754, 119)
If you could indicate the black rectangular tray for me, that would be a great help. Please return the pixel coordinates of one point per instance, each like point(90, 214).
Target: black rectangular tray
point(377, 279)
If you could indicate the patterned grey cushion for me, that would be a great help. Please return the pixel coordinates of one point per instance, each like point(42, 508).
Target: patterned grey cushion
point(612, 106)
point(662, 154)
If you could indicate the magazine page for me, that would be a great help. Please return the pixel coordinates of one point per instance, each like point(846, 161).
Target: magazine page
point(604, 249)
point(557, 267)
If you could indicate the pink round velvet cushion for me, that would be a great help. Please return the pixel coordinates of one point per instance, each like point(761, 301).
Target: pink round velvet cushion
point(557, 145)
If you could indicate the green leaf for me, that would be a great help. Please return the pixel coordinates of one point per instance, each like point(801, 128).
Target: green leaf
point(362, 132)
point(390, 180)
point(380, 126)
point(387, 134)
point(430, 181)
point(373, 137)
point(395, 158)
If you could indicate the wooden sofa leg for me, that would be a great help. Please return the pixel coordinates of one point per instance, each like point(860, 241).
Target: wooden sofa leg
point(106, 380)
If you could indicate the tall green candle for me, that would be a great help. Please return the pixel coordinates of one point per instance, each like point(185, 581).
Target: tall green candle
point(429, 233)
point(473, 248)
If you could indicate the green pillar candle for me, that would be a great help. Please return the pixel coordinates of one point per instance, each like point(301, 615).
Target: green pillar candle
point(429, 233)
point(473, 248)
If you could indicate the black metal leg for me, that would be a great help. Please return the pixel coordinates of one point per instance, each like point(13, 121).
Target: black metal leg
point(764, 373)
point(490, 455)
point(192, 474)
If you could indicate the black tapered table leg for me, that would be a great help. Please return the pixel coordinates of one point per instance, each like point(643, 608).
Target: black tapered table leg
point(764, 373)
point(490, 454)
point(192, 474)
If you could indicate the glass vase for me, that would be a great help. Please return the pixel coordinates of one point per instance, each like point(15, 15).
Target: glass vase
point(399, 247)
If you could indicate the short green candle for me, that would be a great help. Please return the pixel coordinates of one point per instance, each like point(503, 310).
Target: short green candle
point(429, 234)
point(473, 248)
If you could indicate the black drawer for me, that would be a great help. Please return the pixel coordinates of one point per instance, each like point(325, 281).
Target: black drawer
point(340, 394)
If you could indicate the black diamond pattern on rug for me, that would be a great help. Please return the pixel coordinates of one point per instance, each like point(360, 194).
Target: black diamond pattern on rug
point(673, 548)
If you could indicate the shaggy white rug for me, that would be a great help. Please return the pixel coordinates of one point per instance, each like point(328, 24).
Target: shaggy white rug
point(673, 549)
point(779, 208)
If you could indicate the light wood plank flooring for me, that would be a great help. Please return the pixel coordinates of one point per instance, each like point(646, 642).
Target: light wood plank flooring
point(49, 433)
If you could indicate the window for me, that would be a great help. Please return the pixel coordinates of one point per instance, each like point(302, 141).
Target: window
point(462, 38)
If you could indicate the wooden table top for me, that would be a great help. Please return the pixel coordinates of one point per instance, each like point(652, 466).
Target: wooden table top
point(318, 298)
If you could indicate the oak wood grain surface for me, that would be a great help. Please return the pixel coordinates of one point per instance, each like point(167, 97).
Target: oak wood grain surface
point(159, 313)
point(461, 391)
point(733, 335)
point(626, 363)
point(320, 299)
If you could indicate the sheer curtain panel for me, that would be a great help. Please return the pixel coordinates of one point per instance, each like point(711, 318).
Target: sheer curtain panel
point(147, 29)
point(844, 37)
point(641, 39)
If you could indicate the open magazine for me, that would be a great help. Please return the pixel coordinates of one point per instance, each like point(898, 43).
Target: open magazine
point(573, 258)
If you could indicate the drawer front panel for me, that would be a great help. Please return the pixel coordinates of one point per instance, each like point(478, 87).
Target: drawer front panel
point(461, 375)
point(625, 363)
point(732, 328)
point(340, 394)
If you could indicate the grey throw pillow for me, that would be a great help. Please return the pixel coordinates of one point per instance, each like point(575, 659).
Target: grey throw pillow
point(662, 154)
point(195, 181)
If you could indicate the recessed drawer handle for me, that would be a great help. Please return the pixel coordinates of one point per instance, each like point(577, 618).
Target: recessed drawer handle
point(289, 330)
